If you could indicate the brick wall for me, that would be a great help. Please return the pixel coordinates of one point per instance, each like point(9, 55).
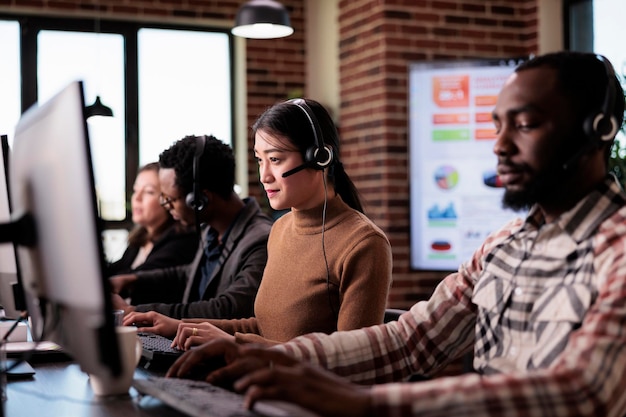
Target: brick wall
point(378, 38)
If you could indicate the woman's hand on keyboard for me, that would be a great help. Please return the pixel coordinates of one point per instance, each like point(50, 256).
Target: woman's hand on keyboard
point(194, 334)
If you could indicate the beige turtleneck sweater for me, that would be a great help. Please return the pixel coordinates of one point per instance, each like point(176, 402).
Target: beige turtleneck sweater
point(294, 299)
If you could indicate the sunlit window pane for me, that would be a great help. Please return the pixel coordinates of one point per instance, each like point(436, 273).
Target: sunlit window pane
point(9, 77)
point(98, 60)
point(184, 88)
point(606, 24)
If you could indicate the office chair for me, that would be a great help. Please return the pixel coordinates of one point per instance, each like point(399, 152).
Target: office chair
point(392, 314)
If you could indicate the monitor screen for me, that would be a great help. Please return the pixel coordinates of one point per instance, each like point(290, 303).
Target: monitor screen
point(456, 198)
point(59, 248)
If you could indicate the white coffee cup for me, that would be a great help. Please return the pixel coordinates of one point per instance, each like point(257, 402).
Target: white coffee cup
point(130, 353)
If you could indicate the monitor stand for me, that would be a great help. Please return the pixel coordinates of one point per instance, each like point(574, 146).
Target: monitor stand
point(11, 369)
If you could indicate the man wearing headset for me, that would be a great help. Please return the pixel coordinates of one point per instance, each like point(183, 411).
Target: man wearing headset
point(541, 303)
point(197, 176)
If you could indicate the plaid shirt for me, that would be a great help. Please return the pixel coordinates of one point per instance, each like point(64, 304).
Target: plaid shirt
point(542, 305)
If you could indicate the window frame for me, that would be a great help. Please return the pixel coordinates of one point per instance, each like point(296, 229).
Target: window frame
point(29, 29)
point(576, 36)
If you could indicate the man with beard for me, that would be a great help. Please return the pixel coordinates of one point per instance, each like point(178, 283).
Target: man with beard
point(541, 303)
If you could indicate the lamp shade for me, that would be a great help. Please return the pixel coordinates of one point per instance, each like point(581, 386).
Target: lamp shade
point(98, 109)
point(262, 19)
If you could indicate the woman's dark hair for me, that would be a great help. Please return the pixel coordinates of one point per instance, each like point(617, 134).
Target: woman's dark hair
point(289, 120)
point(216, 170)
point(139, 235)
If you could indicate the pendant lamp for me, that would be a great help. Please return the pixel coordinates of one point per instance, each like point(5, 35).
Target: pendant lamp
point(262, 19)
point(98, 109)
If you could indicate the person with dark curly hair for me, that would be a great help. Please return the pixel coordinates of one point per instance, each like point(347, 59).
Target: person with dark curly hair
point(197, 177)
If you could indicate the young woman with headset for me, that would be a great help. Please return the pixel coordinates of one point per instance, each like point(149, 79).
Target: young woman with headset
point(329, 266)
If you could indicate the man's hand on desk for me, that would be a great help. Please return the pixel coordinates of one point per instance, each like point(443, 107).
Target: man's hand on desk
point(206, 361)
point(119, 304)
point(264, 374)
point(152, 322)
point(121, 282)
point(309, 386)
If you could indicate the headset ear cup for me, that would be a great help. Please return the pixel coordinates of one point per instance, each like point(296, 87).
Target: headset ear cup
point(190, 200)
point(196, 203)
point(600, 127)
point(309, 157)
point(605, 127)
point(318, 158)
point(324, 156)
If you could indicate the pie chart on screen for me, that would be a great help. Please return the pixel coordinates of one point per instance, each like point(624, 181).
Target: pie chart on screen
point(446, 177)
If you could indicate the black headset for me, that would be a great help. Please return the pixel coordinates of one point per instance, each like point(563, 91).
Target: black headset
point(319, 156)
point(602, 125)
point(196, 199)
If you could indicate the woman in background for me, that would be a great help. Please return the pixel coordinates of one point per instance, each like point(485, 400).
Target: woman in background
point(157, 240)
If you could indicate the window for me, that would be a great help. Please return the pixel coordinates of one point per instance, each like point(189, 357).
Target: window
point(10, 101)
point(98, 60)
point(595, 26)
point(162, 83)
point(183, 89)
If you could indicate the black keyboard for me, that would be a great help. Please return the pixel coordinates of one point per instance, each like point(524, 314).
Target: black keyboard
point(158, 351)
point(201, 399)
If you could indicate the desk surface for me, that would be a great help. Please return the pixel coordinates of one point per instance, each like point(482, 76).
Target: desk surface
point(62, 389)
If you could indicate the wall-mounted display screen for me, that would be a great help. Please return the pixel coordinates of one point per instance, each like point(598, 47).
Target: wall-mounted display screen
point(454, 190)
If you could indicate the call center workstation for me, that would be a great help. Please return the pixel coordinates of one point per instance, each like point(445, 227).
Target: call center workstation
point(58, 259)
point(58, 319)
point(62, 350)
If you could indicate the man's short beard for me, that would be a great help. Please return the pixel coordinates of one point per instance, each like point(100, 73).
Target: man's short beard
point(518, 200)
point(546, 187)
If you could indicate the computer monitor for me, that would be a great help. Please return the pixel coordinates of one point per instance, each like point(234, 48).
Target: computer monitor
point(11, 299)
point(56, 227)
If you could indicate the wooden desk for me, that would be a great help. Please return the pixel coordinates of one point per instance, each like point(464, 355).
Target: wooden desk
point(62, 390)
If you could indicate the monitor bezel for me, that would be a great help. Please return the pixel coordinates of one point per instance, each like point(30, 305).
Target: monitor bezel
point(82, 324)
